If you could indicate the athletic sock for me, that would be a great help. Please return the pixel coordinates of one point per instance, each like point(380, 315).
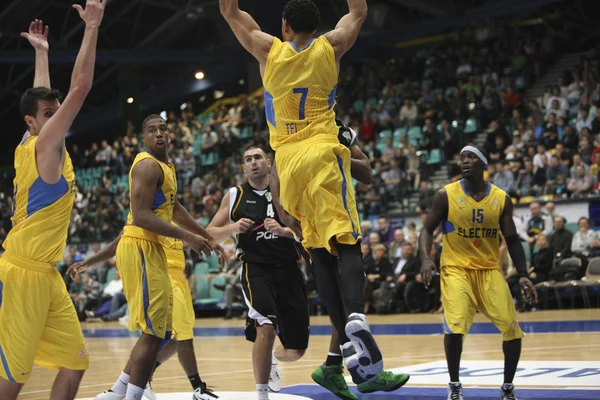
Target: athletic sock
point(508, 386)
point(195, 381)
point(134, 392)
point(120, 385)
point(263, 391)
point(333, 359)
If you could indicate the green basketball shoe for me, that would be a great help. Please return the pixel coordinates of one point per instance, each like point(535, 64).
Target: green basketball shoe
point(332, 378)
point(386, 381)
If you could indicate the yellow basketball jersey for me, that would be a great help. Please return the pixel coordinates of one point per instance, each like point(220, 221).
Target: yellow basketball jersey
point(300, 88)
point(472, 230)
point(174, 252)
point(41, 212)
point(164, 199)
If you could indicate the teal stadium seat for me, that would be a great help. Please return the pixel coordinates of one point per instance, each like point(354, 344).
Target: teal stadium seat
point(434, 157)
point(213, 264)
point(471, 126)
point(386, 134)
point(359, 106)
point(372, 102)
point(213, 292)
point(201, 268)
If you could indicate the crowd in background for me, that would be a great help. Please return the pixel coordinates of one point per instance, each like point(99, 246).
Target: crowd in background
point(547, 146)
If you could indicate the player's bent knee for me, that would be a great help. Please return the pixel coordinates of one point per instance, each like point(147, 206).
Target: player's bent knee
point(266, 331)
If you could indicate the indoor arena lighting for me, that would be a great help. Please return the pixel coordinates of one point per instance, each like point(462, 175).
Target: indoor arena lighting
point(199, 75)
point(129, 100)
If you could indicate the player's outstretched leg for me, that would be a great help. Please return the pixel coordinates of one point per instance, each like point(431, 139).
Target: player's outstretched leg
point(330, 375)
point(512, 353)
point(187, 359)
point(453, 345)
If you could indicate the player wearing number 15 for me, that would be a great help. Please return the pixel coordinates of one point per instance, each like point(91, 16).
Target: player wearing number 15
point(473, 212)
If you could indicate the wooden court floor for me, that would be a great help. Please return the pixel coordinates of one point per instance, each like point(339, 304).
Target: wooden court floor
point(225, 361)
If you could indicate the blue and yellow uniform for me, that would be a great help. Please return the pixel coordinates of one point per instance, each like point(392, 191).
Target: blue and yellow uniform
point(142, 262)
point(313, 167)
point(470, 271)
point(37, 318)
point(183, 307)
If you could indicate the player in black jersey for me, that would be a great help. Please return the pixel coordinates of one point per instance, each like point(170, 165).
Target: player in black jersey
point(272, 282)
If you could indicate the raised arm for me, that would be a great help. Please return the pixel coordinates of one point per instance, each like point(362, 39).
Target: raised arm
point(247, 31)
point(343, 37)
point(51, 140)
point(183, 218)
point(38, 38)
point(221, 227)
point(515, 249)
point(438, 212)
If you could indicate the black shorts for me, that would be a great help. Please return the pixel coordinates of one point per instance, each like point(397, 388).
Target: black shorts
point(276, 294)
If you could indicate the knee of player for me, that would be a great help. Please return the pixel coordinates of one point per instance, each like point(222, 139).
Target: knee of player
point(266, 330)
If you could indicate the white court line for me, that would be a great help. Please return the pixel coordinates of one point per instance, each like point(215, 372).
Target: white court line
point(304, 366)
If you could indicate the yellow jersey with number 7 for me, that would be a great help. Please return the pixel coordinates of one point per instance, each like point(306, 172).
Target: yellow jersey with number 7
point(472, 229)
point(300, 87)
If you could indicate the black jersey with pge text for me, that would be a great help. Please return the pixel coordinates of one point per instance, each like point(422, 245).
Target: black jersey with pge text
point(256, 245)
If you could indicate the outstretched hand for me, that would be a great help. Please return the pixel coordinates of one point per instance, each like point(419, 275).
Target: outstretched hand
point(37, 35)
point(527, 286)
point(93, 13)
point(76, 268)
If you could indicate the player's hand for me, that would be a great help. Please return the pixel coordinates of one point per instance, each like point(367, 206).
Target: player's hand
point(242, 225)
point(93, 13)
point(273, 226)
point(76, 268)
point(427, 271)
point(37, 35)
point(527, 286)
point(199, 244)
point(291, 223)
point(220, 252)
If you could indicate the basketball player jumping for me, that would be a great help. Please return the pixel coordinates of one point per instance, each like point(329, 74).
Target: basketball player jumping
point(300, 77)
point(273, 284)
point(37, 317)
point(473, 213)
point(141, 258)
point(183, 314)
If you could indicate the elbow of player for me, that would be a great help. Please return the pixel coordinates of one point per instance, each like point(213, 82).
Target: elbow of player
point(81, 86)
point(361, 12)
point(368, 178)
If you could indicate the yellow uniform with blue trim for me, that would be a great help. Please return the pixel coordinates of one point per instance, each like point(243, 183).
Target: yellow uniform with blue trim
point(183, 307)
point(37, 318)
point(470, 273)
point(142, 261)
point(313, 167)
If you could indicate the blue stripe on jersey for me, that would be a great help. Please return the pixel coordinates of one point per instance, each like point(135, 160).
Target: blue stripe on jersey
point(447, 227)
point(269, 110)
point(159, 199)
point(167, 339)
point(42, 194)
point(146, 294)
point(344, 190)
point(306, 47)
point(448, 330)
point(331, 98)
point(5, 365)
point(25, 139)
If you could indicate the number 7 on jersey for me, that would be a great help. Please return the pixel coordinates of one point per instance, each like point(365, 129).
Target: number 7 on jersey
point(304, 94)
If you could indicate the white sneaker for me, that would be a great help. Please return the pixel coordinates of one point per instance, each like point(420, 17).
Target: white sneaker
point(455, 392)
point(149, 393)
point(203, 393)
point(109, 395)
point(274, 379)
point(369, 356)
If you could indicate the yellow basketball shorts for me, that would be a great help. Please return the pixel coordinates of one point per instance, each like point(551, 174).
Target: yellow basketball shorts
point(464, 291)
point(183, 306)
point(147, 286)
point(316, 188)
point(38, 322)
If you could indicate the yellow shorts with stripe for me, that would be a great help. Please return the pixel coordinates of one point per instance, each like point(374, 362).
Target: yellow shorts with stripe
point(38, 322)
point(183, 306)
point(316, 188)
point(147, 286)
point(464, 291)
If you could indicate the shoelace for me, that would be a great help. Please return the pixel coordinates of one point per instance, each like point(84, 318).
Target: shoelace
point(204, 389)
point(455, 395)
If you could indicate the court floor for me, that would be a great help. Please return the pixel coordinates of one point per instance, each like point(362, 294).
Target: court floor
point(560, 359)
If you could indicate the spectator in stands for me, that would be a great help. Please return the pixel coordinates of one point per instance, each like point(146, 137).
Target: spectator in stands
point(386, 235)
point(91, 292)
point(110, 299)
point(425, 196)
point(537, 159)
point(560, 239)
point(406, 268)
point(556, 96)
point(377, 273)
point(581, 184)
point(550, 209)
point(539, 271)
point(395, 248)
point(504, 177)
point(585, 120)
point(395, 182)
point(408, 113)
point(536, 223)
point(553, 173)
point(585, 240)
point(374, 239)
point(365, 229)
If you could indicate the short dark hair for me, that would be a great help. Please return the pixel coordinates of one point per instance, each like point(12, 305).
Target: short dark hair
point(148, 118)
point(29, 100)
point(302, 15)
point(253, 146)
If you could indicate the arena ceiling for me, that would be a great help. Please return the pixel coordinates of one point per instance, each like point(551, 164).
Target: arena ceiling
point(159, 44)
